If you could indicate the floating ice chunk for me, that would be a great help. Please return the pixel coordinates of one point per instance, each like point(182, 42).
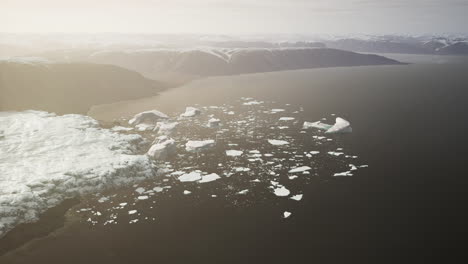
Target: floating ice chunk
point(283, 127)
point(164, 128)
point(292, 177)
point(241, 169)
point(318, 124)
point(213, 122)
point(340, 126)
point(243, 191)
point(209, 178)
point(300, 169)
point(297, 197)
point(149, 117)
point(234, 153)
point(158, 189)
point(122, 204)
point(132, 212)
point(162, 149)
point(286, 214)
point(142, 197)
point(277, 110)
point(140, 190)
point(103, 199)
point(121, 128)
point(253, 102)
point(364, 166)
point(187, 192)
point(346, 173)
point(256, 180)
point(199, 145)
point(190, 177)
point(281, 191)
point(144, 127)
point(191, 112)
point(353, 167)
point(314, 152)
point(334, 153)
point(230, 113)
point(133, 221)
point(276, 142)
point(286, 118)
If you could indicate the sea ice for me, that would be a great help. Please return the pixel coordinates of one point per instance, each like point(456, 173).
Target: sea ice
point(286, 118)
point(162, 149)
point(234, 153)
point(281, 191)
point(300, 169)
point(213, 122)
point(191, 112)
point(209, 178)
point(52, 158)
point(276, 142)
point(199, 145)
point(297, 197)
point(149, 117)
point(286, 214)
point(190, 177)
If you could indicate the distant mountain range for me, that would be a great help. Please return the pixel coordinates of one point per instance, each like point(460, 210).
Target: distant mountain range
point(68, 87)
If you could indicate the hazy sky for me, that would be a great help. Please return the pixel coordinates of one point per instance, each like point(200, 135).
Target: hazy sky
point(235, 16)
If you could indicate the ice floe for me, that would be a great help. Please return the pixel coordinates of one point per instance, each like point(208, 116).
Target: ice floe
point(300, 169)
point(234, 153)
point(51, 158)
point(276, 142)
point(162, 149)
point(190, 177)
point(213, 122)
point(209, 178)
point(191, 112)
point(148, 117)
point(199, 145)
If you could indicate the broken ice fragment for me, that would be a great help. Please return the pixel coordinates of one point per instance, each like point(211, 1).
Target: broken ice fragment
point(234, 153)
point(346, 173)
point(187, 192)
point(143, 197)
point(340, 126)
point(162, 149)
point(276, 142)
point(281, 191)
point(297, 197)
point(199, 145)
point(209, 178)
point(286, 118)
point(286, 214)
point(213, 122)
point(191, 112)
point(148, 117)
point(300, 169)
point(132, 212)
point(190, 177)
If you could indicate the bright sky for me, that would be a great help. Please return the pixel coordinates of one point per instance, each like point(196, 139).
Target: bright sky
point(235, 16)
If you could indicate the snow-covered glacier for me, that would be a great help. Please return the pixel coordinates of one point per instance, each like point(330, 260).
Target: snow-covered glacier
point(45, 159)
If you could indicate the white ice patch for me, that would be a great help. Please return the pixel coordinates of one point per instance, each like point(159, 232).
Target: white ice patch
point(162, 149)
point(286, 118)
point(318, 125)
point(340, 126)
point(253, 103)
point(165, 128)
point(286, 214)
point(300, 169)
point(51, 158)
point(276, 142)
point(297, 197)
point(190, 177)
point(148, 117)
point(191, 112)
point(199, 145)
point(234, 153)
point(213, 122)
point(281, 191)
point(209, 178)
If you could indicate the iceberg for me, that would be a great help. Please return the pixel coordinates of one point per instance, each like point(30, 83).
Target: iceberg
point(209, 178)
point(162, 149)
point(213, 122)
point(164, 128)
point(191, 112)
point(300, 169)
point(51, 158)
point(340, 126)
point(149, 117)
point(234, 153)
point(190, 177)
point(199, 145)
point(276, 142)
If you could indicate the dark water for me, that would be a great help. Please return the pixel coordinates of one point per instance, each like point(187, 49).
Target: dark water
point(409, 125)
